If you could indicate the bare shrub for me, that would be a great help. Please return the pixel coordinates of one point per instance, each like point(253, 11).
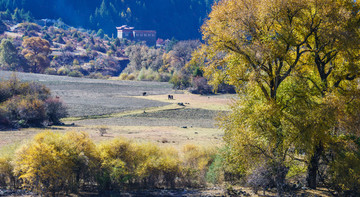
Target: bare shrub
point(268, 176)
point(200, 86)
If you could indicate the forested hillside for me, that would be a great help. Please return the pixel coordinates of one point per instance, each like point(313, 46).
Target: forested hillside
point(170, 18)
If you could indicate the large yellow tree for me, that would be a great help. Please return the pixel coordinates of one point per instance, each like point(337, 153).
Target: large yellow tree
point(291, 61)
point(36, 51)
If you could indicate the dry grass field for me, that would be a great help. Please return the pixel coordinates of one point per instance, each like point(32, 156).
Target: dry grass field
point(120, 108)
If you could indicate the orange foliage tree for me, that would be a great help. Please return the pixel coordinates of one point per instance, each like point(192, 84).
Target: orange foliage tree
point(36, 51)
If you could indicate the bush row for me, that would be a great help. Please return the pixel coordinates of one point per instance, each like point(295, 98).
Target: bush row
point(54, 163)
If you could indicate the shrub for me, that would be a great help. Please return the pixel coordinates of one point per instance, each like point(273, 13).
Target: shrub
point(200, 86)
point(180, 81)
point(165, 77)
point(69, 47)
point(29, 26)
point(63, 71)
point(31, 110)
point(123, 76)
point(344, 172)
point(131, 77)
point(99, 48)
point(215, 173)
point(27, 111)
point(5, 92)
point(59, 39)
point(75, 73)
point(115, 163)
point(28, 104)
point(7, 177)
point(196, 163)
point(52, 163)
point(55, 110)
point(4, 121)
point(142, 75)
point(50, 71)
point(97, 76)
point(125, 163)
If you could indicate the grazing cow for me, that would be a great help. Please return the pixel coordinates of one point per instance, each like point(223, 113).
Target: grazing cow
point(144, 93)
point(170, 97)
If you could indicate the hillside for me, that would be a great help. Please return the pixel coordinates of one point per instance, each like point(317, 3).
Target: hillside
point(56, 48)
point(159, 15)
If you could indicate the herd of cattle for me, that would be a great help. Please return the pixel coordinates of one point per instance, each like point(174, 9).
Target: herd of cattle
point(170, 97)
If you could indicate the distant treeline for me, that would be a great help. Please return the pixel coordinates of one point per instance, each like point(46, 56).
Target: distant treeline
point(170, 18)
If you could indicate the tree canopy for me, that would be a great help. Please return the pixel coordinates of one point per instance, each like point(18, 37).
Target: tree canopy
point(36, 51)
point(295, 65)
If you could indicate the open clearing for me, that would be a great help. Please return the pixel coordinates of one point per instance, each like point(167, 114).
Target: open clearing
point(120, 107)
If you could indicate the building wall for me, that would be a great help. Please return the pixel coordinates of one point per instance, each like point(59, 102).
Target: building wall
point(148, 36)
point(125, 34)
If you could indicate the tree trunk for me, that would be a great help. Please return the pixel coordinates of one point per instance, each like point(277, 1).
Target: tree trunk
point(313, 167)
point(281, 173)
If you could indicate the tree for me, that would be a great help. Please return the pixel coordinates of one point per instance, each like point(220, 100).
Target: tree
point(100, 33)
point(3, 27)
point(117, 42)
point(334, 61)
point(9, 56)
point(36, 51)
point(281, 55)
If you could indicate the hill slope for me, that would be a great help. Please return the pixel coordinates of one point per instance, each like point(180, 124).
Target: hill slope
point(159, 15)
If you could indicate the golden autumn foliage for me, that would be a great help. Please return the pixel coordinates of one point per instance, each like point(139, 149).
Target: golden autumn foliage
point(53, 163)
point(36, 51)
point(295, 65)
point(7, 177)
point(197, 161)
